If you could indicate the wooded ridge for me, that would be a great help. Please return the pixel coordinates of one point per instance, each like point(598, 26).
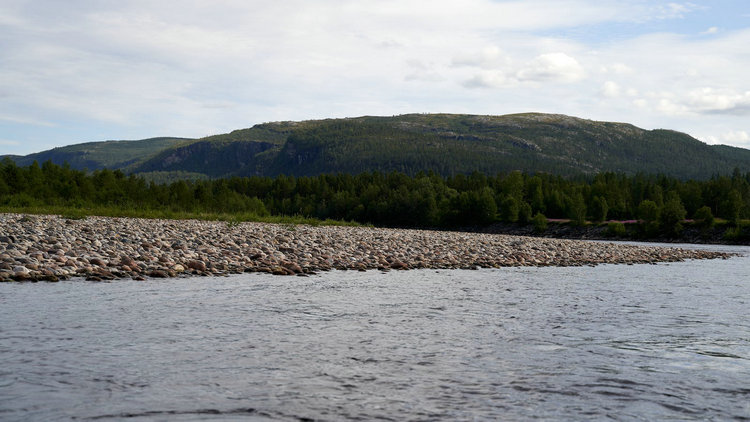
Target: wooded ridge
point(447, 144)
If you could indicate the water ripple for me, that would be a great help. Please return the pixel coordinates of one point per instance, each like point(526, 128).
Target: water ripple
point(620, 342)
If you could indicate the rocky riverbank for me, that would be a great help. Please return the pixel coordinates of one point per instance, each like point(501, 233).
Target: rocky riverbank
point(691, 234)
point(99, 248)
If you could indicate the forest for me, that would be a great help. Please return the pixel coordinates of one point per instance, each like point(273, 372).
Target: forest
point(447, 144)
point(656, 205)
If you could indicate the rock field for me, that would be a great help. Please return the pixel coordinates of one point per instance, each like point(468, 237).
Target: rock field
point(44, 247)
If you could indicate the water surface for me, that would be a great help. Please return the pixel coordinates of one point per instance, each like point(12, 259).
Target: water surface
point(640, 342)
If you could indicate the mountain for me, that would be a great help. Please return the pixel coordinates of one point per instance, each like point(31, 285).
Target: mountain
point(245, 151)
point(104, 154)
point(444, 143)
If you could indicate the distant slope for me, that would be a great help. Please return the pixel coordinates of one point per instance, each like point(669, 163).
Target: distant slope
point(214, 159)
point(530, 142)
point(444, 143)
point(732, 153)
point(105, 154)
point(246, 151)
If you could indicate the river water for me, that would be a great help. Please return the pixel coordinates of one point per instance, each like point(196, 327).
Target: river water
point(639, 342)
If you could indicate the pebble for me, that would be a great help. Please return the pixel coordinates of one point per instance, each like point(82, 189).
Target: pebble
point(46, 247)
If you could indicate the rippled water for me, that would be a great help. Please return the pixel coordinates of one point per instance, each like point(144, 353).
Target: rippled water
point(640, 342)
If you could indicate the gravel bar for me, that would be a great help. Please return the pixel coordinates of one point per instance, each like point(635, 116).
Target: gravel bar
point(51, 248)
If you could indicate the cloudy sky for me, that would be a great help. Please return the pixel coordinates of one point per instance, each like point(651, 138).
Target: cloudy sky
point(82, 70)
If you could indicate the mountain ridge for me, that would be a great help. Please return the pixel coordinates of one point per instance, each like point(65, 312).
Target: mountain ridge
point(443, 143)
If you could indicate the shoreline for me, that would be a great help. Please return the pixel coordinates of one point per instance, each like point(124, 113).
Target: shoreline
point(50, 248)
point(690, 235)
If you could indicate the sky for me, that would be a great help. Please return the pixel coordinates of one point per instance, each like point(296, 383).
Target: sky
point(91, 70)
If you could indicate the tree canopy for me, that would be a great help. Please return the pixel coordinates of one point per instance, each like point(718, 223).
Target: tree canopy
point(425, 199)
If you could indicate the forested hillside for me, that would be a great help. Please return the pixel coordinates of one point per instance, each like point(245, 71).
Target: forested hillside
point(447, 144)
point(453, 144)
point(105, 154)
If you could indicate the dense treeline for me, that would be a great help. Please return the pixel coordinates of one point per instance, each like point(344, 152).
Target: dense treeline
point(395, 199)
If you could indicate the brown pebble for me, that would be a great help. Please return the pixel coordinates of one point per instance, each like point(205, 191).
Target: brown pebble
point(197, 265)
point(127, 247)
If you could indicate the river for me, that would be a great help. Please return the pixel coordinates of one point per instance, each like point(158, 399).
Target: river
point(623, 342)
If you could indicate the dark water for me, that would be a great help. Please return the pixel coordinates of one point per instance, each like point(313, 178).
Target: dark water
point(639, 342)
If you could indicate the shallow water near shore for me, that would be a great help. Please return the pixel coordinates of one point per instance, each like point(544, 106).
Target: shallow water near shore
point(632, 342)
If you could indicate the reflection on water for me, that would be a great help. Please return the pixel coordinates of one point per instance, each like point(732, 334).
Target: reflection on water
point(626, 342)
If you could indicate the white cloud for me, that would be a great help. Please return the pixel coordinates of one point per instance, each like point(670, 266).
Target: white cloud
point(9, 142)
point(524, 15)
point(710, 139)
point(496, 70)
point(611, 89)
point(488, 79)
point(421, 71)
point(675, 10)
point(739, 136)
point(618, 69)
point(553, 66)
point(694, 85)
point(641, 103)
point(670, 107)
point(702, 101)
point(710, 100)
point(26, 120)
point(488, 58)
point(710, 31)
point(172, 68)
